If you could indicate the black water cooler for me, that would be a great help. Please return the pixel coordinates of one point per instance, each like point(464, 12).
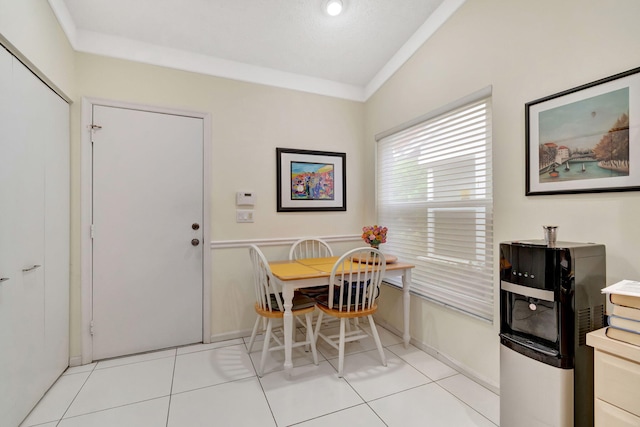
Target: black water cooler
point(549, 300)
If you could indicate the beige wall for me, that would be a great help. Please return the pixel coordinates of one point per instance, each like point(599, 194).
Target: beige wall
point(32, 29)
point(525, 50)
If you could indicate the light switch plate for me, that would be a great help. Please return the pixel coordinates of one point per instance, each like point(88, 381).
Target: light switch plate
point(244, 215)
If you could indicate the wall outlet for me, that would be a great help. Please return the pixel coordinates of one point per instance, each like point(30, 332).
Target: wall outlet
point(244, 215)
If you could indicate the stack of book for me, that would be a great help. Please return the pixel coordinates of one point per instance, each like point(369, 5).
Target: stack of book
point(624, 320)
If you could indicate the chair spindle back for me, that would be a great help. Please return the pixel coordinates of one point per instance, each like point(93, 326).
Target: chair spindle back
point(310, 248)
point(356, 277)
point(265, 285)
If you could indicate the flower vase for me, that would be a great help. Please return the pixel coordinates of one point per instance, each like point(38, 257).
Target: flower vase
point(373, 254)
point(375, 247)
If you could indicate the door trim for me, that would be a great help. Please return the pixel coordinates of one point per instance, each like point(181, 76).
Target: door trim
point(86, 196)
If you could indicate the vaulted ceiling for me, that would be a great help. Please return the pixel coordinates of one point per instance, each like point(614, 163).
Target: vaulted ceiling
point(285, 43)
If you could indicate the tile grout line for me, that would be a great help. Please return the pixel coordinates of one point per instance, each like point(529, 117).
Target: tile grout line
point(439, 385)
point(213, 385)
point(59, 420)
point(330, 413)
point(409, 363)
point(111, 408)
point(213, 348)
point(76, 396)
point(264, 393)
point(228, 381)
point(114, 407)
point(130, 363)
point(365, 402)
point(173, 376)
point(463, 402)
point(242, 345)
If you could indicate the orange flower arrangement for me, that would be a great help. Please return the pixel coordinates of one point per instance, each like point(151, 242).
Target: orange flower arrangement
point(374, 235)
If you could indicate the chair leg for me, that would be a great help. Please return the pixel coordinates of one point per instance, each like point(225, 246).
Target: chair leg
point(254, 333)
point(311, 338)
point(306, 347)
point(265, 348)
point(343, 321)
point(304, 325)
point(318, 324)
point(376, 337)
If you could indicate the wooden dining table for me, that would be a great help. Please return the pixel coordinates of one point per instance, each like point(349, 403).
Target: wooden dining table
point(310, 272)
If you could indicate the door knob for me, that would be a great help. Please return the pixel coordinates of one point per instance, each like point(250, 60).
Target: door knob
point(195, 242)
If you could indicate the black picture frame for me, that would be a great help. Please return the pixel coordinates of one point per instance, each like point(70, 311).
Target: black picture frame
point(585, 139)
point(310, 180)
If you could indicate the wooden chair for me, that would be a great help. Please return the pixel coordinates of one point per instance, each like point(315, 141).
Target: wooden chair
point(269, 306)
point(355, 285)
point(310, 248)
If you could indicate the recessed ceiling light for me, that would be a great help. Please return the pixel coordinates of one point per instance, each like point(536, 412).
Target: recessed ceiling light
point(334, 7)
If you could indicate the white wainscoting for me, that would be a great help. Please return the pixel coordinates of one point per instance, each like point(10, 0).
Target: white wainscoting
point(280, 241)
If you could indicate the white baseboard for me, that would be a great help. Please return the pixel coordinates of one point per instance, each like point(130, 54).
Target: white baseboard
point(75, 361)
point(480, 379)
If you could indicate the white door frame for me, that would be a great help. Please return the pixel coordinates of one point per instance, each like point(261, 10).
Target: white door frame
point(86, 196)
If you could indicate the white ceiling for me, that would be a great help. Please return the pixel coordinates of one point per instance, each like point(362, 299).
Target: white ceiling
point(284, 43)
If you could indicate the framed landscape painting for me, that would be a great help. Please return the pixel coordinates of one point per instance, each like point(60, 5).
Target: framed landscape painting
point(585, 139)
point(310, 180)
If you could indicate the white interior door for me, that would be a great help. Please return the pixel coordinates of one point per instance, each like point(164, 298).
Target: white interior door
point(147, 211)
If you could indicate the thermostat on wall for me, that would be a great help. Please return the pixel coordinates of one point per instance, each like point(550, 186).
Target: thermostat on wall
point(245, 199)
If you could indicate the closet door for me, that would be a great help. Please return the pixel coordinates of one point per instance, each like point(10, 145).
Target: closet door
point(7, 174)
point(55, 125)
point(28, 238)
point(34, 178)
point(11, 289)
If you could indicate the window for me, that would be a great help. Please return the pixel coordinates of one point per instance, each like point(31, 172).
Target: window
point(434, 193)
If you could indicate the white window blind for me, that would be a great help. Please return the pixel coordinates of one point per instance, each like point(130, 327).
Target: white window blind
point(434, 193)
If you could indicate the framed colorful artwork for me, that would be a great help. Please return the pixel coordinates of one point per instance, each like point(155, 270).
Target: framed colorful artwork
point(311, 181)
point(585, 139)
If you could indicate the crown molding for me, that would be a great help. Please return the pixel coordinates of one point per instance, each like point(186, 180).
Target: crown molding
point(127, 49)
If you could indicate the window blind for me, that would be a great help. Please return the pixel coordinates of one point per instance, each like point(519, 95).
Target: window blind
point(434, 193)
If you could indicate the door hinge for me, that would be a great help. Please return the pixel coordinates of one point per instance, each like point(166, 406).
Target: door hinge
point(92, 230)
point(93, 128)
point(91, 328)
